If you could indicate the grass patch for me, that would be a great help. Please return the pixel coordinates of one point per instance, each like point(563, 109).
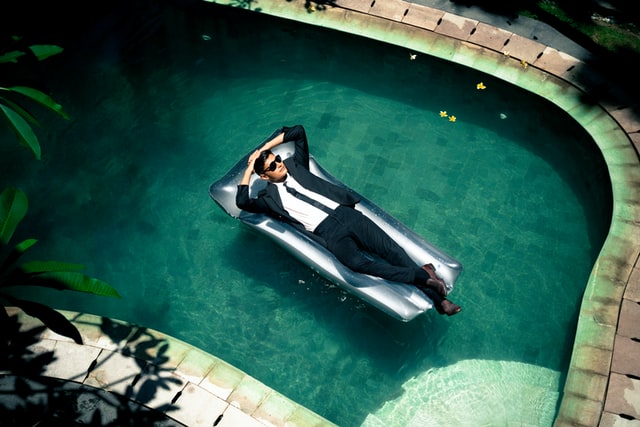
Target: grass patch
point(609, 34)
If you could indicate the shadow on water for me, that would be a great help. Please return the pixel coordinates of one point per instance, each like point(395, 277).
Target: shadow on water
point(29, 397)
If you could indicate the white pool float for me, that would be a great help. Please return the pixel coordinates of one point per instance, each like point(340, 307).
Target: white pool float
point(399, 300)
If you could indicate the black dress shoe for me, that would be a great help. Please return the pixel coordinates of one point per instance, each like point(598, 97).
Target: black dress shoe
point(434, 282)
point(438, 286)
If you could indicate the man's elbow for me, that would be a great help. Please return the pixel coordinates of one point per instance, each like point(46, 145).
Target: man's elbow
point(240, 204)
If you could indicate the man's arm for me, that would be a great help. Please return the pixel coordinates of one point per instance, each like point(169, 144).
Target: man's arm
point(296, 134)
point(274, 142)
point(243, 201)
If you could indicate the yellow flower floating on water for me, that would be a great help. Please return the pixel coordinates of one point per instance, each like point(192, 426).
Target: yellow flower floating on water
point(443, 114)
point(480, 86)
point(412, 56)
point(452, 118)
point(524, 63)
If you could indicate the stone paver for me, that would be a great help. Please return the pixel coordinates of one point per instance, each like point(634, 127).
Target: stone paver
point(523, 48)
point(623, 396)
point(72, 361)
point(423, 17)
point(629, 324)
point(394, 10)
point(556, 62)
point(625, 356)
point(490, 37)
point(632, 291)
point(614, 420)
point(200, 408)
point(456, 26)
point(222, 380)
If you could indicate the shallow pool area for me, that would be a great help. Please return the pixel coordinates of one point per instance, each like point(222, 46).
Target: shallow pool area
point(155, 121)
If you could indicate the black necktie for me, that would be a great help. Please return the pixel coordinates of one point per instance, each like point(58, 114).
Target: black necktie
point(308, 199)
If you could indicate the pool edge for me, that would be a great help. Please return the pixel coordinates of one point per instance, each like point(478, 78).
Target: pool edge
point(192, 387)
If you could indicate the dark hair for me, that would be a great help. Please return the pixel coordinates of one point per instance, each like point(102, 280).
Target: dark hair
point(258, 164)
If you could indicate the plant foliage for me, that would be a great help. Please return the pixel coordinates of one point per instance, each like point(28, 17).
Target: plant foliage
point(18, 117)
point(49, 274)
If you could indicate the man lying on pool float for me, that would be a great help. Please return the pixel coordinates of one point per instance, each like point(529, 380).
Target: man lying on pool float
point(296, 196)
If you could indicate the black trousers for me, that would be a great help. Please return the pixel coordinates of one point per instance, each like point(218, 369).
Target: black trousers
point(364, 247)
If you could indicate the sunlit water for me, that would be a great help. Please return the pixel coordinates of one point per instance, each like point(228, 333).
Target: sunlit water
point(164, 102)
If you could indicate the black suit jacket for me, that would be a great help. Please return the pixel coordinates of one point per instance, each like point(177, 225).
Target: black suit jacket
point(268, 200)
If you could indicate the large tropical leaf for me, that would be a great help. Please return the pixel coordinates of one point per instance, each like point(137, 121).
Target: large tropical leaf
point(13, 208)
point(50, 317)
point(72, 281)
point(18, 109)
point(40, 97)
point(11, 56)
point(13, 257)
point(22, 130)
point(37, 267)
point(43, 51)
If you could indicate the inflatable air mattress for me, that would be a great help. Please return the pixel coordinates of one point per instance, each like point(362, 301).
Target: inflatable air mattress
point(399, 300)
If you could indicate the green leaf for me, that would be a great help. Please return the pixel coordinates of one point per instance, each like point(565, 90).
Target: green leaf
point(25, 245)
point(22, 130)
point(13, 258)
point(11, 56)
point(74, 281)
point(38, 267)
point(18, 109)
point(43, 51)
point(13, 207)
point(41, 98)
point(50, 317)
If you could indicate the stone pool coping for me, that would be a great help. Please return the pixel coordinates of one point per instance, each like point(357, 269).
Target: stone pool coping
point(603, 385)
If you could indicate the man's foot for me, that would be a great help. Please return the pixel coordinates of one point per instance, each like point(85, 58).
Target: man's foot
point(447, 307)
point(434, 282)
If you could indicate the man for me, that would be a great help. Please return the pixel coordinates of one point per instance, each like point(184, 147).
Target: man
point(326, 213)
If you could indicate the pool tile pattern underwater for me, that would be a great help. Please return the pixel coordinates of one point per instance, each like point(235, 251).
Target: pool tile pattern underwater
point(603, 383)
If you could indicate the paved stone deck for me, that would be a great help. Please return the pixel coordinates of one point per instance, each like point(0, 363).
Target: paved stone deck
point(603, 384)
point(191, 387)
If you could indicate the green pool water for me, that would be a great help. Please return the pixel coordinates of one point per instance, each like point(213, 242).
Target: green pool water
point(165, 101)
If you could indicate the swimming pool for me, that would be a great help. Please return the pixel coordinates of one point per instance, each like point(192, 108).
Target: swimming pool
point(158, 119)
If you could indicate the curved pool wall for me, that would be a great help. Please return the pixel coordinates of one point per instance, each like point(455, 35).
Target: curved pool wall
point(594, 392)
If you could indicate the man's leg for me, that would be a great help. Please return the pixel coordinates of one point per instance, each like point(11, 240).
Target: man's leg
point(350, 254)
point(355, 234)
point(374, 240)
point(347, 247)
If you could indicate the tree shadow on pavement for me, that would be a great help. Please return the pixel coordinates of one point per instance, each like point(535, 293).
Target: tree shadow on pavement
point(29, 396)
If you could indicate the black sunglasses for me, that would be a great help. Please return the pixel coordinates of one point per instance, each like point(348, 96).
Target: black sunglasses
point(272, 166)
